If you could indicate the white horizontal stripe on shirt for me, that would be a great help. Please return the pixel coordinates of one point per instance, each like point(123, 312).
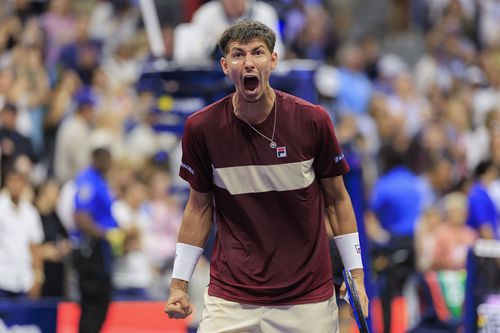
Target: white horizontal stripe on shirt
point(265, 178)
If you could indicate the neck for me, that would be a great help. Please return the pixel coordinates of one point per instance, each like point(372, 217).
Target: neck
point(45, 208)
point(254, 112)
point(486, 179)
point(15, 200)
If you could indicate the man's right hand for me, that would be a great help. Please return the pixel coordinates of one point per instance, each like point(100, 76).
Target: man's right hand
point(178, 304)
point(116, 238)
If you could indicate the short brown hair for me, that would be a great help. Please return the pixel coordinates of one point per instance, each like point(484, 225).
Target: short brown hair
point(246, 31)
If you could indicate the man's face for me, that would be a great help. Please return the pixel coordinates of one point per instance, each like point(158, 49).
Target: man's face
point(102, 160)
point(234, 8)
point(249, 66)
point(443, 175)
point(105, 163)
point(88, 113)
point(8, 119)
point(15, 183)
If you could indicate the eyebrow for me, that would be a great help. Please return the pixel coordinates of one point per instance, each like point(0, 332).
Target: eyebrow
point(241, 49)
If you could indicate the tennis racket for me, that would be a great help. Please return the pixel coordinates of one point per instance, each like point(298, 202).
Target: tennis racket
point(354, 301)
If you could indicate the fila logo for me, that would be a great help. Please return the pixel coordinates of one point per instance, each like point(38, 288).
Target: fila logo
point(281, 152)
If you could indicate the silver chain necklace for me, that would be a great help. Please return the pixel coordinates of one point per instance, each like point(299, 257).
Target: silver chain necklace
point(271, 140)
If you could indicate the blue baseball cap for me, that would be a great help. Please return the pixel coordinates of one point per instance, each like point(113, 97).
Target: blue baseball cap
point(85, 97)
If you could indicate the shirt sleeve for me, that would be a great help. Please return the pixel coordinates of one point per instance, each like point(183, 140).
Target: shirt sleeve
point(377, 199)
point(121, 215)
point(85, 196)
point(479, 212)
point(36, 231)
point(195, 163)
point(329, 161)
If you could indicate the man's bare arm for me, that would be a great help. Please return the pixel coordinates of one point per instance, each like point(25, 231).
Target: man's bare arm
point(86, 223)
point(338, 206)
point(340, 214)
point(193, 234)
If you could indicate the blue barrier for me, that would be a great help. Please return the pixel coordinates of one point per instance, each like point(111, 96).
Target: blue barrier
point(27, 316)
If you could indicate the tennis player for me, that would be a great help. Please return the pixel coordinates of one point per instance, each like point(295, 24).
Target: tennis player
point(266, 166)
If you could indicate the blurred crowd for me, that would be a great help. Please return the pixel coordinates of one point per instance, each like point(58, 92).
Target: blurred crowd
point(68, 71)
point(413, 87)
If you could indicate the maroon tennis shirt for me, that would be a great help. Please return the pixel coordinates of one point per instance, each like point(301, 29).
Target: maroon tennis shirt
point(271, 245)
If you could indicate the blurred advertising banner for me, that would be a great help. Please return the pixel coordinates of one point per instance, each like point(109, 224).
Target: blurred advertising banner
point(25, 316)
point(51, 316)
point(124, 317)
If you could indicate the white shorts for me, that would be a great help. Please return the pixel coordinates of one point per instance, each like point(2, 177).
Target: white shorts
point(222, 316)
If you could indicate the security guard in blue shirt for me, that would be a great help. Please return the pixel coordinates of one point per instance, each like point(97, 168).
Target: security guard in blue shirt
point(98, 237)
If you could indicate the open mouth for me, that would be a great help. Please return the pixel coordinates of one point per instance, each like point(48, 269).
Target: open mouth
point(250, 83)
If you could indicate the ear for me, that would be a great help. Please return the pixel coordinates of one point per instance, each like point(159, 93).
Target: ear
point(274, 60)
point(223, 65)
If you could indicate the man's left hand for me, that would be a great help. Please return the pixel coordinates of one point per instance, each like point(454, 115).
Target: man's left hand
point(358, 276)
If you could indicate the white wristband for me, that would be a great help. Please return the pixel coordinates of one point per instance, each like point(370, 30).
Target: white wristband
point(186, 258)
point(349, 249)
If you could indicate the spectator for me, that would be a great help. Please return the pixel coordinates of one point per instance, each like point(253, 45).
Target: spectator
point(83, 54)
point(211, 19)
point(132, 272)
point(25, 10)
point(21, 266)
point(113, 23)
point(72, 152)
point(32, 35)
point(435, 181)
point(489, 29)
point(395, 200)
point(431, 72)
point(59, 24)
point(431, 143)
point(465, 146)
point(494, 136)
point(55, 247)
point(122, 67)
point(355, 89)
point(388, 126)
point(452, 236)
point(425, 238)
point(65, 206)
point(395, 207)
point(483, 216)
point(97, 231)
point(486, 97)
point(166, 215)
point(10, 30)
point(372, 52)
point(143, 141)
point(59, 108)
point(29, 91)
point(406, 104)
point(13, 144)
point(317, 39)
point(31, 83)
